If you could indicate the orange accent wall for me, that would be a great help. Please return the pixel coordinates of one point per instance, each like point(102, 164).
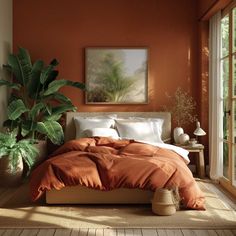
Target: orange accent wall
point(63, 29)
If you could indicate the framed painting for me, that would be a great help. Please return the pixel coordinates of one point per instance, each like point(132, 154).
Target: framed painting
point(116, 75)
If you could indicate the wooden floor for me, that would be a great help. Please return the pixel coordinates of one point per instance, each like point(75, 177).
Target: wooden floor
point(228, 199)
point(116, 232)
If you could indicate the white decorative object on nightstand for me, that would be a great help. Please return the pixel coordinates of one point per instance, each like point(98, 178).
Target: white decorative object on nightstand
point(183, 139)
point(177, 132)
point(199, 131)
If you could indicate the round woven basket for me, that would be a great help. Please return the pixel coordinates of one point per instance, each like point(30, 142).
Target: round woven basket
point(163, 202)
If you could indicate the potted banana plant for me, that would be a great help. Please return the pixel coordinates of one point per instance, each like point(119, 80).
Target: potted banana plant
point(35, 89)
point(36, 104)
point(13, 155)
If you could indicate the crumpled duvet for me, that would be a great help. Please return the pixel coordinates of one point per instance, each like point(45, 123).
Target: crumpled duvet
point(105, 164)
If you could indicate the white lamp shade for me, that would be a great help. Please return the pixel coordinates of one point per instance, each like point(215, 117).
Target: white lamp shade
point(199, 131)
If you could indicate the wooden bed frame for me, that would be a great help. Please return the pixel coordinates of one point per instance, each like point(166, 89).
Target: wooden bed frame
point(83, 195)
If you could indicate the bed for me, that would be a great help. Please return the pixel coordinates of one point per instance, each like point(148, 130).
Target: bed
point(84, 195)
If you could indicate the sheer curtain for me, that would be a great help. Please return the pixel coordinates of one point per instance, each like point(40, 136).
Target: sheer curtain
point(215, 120)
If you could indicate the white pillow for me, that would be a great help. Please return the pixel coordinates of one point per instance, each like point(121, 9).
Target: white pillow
point(157, 124)
point(145, 130)
point(102, 132)
point(82, 124)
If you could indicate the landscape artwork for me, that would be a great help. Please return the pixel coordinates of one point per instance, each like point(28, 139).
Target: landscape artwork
point(116, 76)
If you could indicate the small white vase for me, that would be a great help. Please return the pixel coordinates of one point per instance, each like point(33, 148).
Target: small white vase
point(183, 138)
point(177, 132)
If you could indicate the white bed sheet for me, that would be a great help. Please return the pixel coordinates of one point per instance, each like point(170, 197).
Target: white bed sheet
point(181, 151)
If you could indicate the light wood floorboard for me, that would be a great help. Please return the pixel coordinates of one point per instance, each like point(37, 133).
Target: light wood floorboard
point(46, 232)
point(116, 232)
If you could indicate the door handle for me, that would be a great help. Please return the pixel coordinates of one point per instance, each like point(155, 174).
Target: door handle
point(227, 112)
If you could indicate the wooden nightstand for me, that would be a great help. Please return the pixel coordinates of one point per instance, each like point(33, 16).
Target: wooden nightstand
point(199, 150)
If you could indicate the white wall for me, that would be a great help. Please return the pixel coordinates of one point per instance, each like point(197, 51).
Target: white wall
point(5, 48)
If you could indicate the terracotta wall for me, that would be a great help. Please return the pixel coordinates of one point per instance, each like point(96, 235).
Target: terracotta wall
point(63, 29)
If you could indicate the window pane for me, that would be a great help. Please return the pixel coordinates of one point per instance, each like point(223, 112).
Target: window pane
point(234, 30)
point(225, 94)
point(234, 122)
point(225, 160)
point(225, 77)
point(225, 36)
point(234, 75)
point(234, 165)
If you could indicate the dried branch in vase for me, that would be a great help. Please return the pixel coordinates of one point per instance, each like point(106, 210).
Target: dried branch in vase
point(182, 108)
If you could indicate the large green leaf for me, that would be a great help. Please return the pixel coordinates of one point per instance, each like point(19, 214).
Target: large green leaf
point(57, 84)
point(24, 56)
point(59, 97)
point(21, 66)
point(53, 130)
point(54, 62)
point(28, 126)
point(14, 63)
point(34, 85)
point(62, 98)
point(47, 71)
point(15, 109)
point(10, 84)
point(57, 111)
point(51, 77)
point(62, 108)
point(54, 117)
point(26, 64)
point(48, 109)
point(36, 110)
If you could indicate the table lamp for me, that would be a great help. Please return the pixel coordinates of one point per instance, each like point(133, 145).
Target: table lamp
point(199, 131)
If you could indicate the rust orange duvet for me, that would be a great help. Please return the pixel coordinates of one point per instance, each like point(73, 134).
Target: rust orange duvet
point(105, 164)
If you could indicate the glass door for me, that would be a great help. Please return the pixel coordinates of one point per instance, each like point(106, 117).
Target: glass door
point(225, 101)
point(234, 94)
point(228, 98)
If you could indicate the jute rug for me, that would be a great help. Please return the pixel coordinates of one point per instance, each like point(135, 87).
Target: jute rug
point(19, 212)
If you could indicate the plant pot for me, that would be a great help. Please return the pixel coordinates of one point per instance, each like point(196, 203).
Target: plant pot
point(177, 132)
point(41, 145)
point(7, 177)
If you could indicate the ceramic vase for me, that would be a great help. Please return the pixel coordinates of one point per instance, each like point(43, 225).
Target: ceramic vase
point(183, 139)
point(177, 132)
